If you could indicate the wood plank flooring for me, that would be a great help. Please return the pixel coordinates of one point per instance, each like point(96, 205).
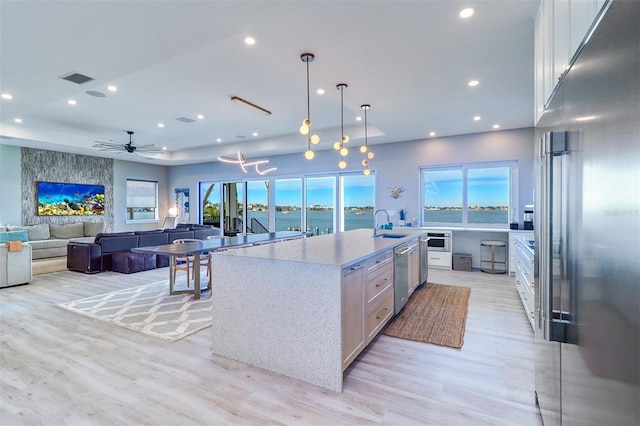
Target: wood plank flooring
point(58, 367)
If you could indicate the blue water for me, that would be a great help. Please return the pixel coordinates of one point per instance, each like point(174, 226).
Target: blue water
point(473, 216)
point(321, 221)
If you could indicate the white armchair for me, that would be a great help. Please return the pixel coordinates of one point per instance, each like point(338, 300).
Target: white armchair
point(15, 266)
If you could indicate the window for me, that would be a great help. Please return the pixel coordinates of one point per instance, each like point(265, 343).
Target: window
point(320, 204)
point(357, 201)
point(142, 200)
point(288, 204)
point(478, 194)
point(210, 204)
point(258, 206)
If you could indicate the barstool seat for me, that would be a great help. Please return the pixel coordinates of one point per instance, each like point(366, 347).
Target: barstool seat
point(493, 245)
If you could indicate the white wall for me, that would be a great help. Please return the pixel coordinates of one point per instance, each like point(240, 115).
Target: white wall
point(396, 164)
point(10, 184)
point(123, 170)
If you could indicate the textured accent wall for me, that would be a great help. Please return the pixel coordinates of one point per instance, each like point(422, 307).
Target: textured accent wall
point(52, 166)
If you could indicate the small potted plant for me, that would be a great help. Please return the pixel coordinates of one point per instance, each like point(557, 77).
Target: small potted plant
point(402, 215)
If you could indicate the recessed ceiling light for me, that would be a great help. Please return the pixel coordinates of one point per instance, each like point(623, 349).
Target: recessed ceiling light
point(320, 91)
point(112, 88)
point(160, 125)
point(587, 118)
point(432, 134)
point(200, 116)
point(467, 12)
point(6, 96)
point(164, 148)
point(476, 118)
point(358, 118)
point(496, 126)
point(18, 120)
point(249, 40)
point(71, 102)
point(473, 83)
point(255, 133)
point(218, 140)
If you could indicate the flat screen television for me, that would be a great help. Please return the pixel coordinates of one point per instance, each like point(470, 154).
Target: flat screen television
point(70, 199)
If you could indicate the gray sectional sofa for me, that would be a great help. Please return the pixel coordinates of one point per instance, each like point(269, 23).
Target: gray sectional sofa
point(49, 240)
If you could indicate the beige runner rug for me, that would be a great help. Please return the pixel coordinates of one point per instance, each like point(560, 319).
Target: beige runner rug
point(435, 314)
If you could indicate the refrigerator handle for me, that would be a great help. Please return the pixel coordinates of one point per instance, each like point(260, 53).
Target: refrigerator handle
point(554, 320)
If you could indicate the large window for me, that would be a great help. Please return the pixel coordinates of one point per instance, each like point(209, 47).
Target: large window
point(320, 204)
point(258, 206)
point(142, 200)
point(478, 194)
point(288, 204)
point(357, 201)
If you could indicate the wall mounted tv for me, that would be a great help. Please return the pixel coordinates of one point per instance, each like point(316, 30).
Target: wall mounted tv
point(70, 199)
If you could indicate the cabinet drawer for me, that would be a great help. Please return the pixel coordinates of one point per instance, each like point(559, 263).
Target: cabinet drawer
point(378, 262)
point(377, 282)
point(379, 314)
point(439, 259)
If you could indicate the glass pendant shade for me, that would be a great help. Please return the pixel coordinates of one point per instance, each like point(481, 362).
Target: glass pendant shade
point(344, 151)
point(336, 146)
point(365, 162)
point(309, 155)
point(304, 130)
point(345, 139)
point(342, 164)
point(315, 139)
point(366, 172)
point(363, 149)
point(370, 155)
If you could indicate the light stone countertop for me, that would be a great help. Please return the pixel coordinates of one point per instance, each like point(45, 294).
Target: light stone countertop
point(339, 249)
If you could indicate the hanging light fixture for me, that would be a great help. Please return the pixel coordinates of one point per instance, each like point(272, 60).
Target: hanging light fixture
point(339, 146)
point(305, 129)
point(365, 148)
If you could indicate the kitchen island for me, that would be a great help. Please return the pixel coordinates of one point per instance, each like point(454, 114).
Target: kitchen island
point(293, 307)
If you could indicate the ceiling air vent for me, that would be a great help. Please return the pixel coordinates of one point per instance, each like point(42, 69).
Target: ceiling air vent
point(185, 120)
point(74, 77)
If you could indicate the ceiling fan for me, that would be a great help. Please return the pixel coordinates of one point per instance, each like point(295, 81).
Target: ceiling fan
point(129, 147)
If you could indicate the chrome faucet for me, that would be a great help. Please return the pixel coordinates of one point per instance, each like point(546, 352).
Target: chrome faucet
point(375, 220)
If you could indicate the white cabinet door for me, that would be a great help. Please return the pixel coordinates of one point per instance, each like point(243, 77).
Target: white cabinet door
point(353, 332)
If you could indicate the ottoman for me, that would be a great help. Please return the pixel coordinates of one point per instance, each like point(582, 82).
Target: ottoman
point(129, 262)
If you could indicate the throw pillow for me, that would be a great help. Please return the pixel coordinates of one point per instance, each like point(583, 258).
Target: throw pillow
point(91, 229)
point(38, 232)
point(72, 230)
point(14, 236)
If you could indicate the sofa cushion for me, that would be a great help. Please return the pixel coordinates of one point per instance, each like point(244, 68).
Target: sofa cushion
point(91, 229)
point(47, 244)
point(102, 235)
point(35, 232)
point(72, 230)
point(21, 235)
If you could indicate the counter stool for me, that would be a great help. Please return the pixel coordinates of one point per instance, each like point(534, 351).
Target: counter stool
point(500, 260)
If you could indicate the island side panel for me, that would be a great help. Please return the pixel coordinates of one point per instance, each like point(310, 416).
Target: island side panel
point(282, 316)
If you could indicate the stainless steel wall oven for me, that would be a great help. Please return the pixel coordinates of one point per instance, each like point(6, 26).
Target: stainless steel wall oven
point(439, 241)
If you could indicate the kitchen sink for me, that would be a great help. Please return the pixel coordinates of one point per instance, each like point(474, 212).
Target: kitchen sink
point(390, 236)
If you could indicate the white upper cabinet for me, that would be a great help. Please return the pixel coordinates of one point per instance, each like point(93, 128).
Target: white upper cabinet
point(561, 26)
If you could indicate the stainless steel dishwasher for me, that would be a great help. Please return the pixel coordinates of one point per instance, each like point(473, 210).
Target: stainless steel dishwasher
point(424, 259)
point(401, 276)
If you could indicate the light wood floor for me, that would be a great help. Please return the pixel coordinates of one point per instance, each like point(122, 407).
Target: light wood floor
point(59, 368)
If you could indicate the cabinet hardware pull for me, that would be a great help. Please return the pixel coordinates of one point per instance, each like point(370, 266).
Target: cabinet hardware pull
point(380, 316)
point(356, 267)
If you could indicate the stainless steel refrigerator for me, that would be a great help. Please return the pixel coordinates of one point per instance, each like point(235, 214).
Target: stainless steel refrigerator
point(587, 228)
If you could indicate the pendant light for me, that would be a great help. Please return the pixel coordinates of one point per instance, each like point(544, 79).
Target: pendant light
point(305, 129)
point(339, 146)
point(365, 148)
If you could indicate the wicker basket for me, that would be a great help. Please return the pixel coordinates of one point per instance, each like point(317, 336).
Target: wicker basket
point(462, 262)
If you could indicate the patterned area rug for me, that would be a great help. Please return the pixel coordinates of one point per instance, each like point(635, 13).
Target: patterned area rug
point(435, 314)
point(149, 309)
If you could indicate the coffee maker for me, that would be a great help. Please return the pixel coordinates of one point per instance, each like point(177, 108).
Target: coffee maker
point(528, 217)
